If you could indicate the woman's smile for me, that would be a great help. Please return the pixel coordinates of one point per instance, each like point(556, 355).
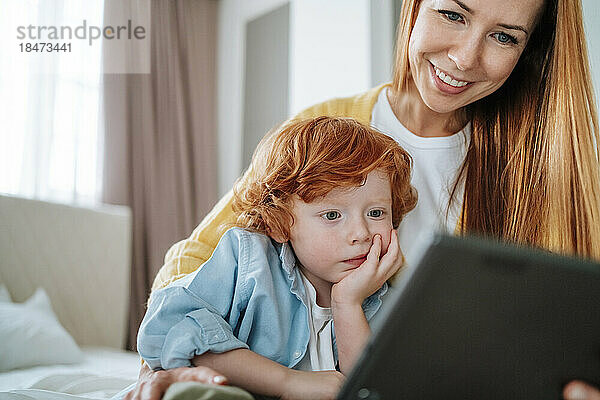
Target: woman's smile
point(446, 83)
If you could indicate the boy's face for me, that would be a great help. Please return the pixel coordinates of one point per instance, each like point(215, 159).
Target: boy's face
point(332, 235)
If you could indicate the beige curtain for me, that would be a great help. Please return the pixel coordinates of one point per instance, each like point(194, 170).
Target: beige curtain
point(160, 143)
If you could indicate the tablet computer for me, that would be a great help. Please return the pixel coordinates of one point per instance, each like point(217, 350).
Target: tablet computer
point(478, 319)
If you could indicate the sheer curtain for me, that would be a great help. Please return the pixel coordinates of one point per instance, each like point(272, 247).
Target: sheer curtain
point(50, 145)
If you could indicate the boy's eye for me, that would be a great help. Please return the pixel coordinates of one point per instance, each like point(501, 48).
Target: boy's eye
point(331, 215)
point(375, 213)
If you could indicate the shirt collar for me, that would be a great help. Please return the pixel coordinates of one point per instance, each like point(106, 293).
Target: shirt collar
point(287, 257)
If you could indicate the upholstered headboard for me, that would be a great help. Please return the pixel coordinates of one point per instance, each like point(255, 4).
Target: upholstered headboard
point(80, 256)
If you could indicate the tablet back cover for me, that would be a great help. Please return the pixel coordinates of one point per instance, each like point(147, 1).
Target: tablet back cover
point(480, 319)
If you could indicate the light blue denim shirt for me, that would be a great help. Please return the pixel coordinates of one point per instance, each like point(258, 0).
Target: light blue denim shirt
point(247, 295)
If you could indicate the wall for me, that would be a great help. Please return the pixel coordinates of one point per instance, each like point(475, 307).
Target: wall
point(383, 37)
point(266, 88)
point(233, 16)
point(330, 50)
point(330, 55)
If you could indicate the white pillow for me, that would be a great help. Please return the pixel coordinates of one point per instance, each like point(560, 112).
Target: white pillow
point(31, 335)
point(4, 294)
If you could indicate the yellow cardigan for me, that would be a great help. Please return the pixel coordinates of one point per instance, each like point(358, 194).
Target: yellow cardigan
point(187, 255)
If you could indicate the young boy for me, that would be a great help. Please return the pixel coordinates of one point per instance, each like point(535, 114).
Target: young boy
point(288, 291)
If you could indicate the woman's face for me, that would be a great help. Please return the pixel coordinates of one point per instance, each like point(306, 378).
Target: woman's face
point(463, 50)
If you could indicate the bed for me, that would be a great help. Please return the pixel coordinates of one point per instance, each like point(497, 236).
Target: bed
point(64, 295)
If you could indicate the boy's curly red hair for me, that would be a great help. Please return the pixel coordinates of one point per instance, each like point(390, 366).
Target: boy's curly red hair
point(309, 158)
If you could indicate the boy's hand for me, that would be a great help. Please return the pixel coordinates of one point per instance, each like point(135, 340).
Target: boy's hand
point(304, 385)
point(370, 275)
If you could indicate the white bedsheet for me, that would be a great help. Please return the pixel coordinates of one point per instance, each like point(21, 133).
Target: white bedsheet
point(103, 373)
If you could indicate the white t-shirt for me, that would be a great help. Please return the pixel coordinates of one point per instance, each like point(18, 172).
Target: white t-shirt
point(319, 355)
point(437, 161)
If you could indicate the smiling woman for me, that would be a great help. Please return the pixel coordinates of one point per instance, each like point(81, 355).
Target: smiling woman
point(531, 107)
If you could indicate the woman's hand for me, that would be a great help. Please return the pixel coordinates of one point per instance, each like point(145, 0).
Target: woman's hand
point(577, 390)
point(151, 385)
point(370, 275)
point(305, 385)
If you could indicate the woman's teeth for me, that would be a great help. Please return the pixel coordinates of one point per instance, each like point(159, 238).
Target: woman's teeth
point(447, 79)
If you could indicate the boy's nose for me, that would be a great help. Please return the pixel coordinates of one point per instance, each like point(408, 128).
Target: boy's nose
point(359, 232)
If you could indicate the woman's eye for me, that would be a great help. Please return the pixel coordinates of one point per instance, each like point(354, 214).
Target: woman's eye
point(505, 38)
point(451, 15)
point(375, 213)
point(331, 215)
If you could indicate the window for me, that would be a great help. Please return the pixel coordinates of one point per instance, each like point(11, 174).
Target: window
point(50, 141)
